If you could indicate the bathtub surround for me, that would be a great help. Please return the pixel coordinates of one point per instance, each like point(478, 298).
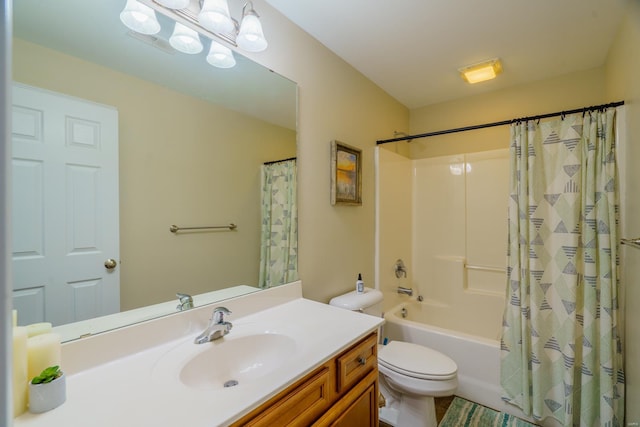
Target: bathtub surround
point(561, 354)
point(448, 226)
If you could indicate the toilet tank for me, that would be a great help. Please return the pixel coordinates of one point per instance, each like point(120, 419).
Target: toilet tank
point(369, 301)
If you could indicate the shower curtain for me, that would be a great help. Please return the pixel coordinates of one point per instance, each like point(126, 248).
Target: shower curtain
point(279, 235)
point(561, 352)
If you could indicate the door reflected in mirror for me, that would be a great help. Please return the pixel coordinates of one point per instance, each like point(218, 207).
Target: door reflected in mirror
point(191, 140)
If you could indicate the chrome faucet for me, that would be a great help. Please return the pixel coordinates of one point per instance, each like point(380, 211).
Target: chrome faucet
point(406, 291)
point(217, 326)
point(185, 302)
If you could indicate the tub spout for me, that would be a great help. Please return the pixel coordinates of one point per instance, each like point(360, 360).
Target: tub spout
point(406, 291)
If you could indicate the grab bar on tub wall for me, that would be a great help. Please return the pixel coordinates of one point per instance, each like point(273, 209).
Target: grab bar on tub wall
point(631, 242)
point(485, 268)
point(175, 228)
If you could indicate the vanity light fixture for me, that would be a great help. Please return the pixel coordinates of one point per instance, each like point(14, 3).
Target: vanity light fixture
point(185, 39)
point(139, 18)
point(214, 16)
point(250, 37)
point(220, 56)
point(481, 71)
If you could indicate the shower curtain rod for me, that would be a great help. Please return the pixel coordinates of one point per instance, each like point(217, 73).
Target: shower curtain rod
point(501, 123)
point(279, 161)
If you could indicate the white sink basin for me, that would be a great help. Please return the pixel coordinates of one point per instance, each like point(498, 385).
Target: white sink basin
point(233, 360)
point(230, 362)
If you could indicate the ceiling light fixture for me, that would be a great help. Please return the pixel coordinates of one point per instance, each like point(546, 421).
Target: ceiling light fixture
point(139, 18)
point(211, 15)
point(185, 39)
point(481, 71)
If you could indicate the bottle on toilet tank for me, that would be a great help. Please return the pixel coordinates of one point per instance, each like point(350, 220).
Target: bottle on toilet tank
point(359, 284)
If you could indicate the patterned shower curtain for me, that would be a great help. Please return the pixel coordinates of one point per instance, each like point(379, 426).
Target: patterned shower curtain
point(561, 351)
point(279, 237)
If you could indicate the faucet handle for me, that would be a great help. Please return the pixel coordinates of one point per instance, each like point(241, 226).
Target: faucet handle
point(218, 315)
point(185, 301)
point(400, 269)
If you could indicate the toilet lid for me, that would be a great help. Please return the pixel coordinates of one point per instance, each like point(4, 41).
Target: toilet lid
point(417, 361)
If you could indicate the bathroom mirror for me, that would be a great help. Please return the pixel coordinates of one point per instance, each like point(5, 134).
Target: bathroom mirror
point(192, 140)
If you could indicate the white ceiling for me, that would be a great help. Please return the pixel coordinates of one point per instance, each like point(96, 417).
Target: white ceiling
point(413, 48)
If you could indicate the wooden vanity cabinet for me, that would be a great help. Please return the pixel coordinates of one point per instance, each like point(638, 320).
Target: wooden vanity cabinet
point(343, 392)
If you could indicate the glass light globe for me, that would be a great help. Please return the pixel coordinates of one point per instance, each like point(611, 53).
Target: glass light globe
point(215, 16)
point(185, 39)
point(251, 38)
point(220, 56)
point(139, 18)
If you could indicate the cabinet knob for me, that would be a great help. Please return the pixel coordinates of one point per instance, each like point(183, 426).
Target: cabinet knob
point(362, 360)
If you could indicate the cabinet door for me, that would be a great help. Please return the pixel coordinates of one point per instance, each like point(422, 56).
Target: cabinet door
point(358, 408)
point(298, 405)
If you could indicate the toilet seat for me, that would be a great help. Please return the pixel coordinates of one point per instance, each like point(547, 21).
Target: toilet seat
point(417, 361)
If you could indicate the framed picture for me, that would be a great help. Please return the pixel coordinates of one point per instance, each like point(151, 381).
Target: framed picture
point(346, 174)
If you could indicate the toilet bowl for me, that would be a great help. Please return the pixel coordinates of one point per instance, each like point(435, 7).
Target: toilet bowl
point(410, 375)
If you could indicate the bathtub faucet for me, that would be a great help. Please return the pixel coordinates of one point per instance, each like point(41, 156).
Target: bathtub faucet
point(406, 291)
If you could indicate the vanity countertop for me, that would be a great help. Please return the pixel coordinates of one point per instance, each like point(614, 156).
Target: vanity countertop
point(140, 390)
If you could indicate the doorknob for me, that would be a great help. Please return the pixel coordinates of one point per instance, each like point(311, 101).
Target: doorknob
point(110, 264)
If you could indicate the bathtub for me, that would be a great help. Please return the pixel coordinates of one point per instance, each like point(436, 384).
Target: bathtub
point(475, 350)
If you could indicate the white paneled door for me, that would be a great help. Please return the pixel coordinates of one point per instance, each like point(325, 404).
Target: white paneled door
point(65, 212)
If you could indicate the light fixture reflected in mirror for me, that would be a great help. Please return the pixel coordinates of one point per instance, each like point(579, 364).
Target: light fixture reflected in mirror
point(139, 18)
point(215, 16)
point(250, 37)
point(174, 4)
point(185, 39)
point(220, 56)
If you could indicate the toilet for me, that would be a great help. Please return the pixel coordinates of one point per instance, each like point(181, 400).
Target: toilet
point(411, 375)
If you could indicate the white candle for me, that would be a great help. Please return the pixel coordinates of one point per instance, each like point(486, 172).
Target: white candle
point(20, 380)
point(15, 318)
point(42, 351)
point(38, 329)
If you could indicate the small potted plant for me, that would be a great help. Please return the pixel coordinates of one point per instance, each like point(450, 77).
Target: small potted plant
point(48, 390)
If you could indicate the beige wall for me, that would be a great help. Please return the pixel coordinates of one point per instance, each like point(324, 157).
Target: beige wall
point(335, 102)
point(622, 71)
point(182, 161)
point(561, 93)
